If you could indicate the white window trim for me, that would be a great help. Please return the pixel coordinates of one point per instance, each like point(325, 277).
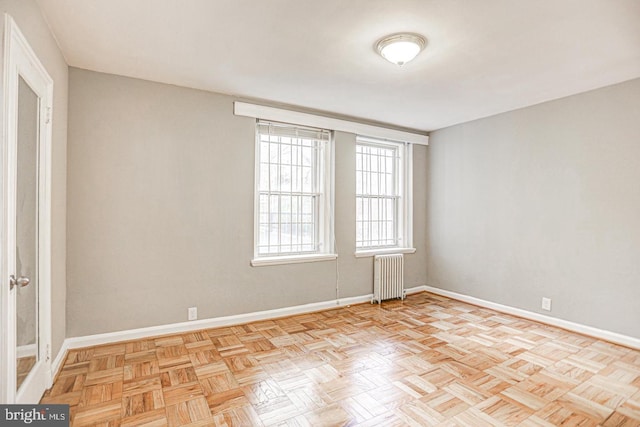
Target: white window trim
point(292, 259)
point(373, 252)
point(326, 212)
point(406, 191)
point(305, 119)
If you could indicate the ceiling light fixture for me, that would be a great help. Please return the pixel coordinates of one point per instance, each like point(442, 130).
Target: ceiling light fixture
point(400, 48)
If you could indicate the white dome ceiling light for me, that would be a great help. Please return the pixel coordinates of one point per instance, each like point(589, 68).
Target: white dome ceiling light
point(400, 48)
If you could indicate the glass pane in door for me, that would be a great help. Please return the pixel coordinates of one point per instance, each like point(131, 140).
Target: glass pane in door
point(27, 232)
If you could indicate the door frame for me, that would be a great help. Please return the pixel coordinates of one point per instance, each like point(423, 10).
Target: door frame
point(20, 60)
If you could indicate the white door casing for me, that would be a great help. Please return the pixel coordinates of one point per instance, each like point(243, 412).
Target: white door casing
point(19, 60)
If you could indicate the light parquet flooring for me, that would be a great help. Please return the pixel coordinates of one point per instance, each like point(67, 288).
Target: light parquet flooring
point(426, 361)
point(23, 367)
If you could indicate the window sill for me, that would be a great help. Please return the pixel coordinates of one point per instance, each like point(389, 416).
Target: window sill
point(295, 259)
point(385, 251)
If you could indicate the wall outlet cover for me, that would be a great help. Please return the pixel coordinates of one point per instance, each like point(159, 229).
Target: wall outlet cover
point(193, 313)
point(546, 304)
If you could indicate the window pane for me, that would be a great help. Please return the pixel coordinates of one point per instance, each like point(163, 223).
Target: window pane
point(264, 233)
point(307, 205)
point(274, 156)
point(264, 151)
point(307, 233)
point(376, 197)
point(307, 156)
point(287, 179)
point(307, 179)
point(274, 178)
point(286, 152)
point(264, 176)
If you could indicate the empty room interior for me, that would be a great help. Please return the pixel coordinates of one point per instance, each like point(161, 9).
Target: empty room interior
point(321, 213)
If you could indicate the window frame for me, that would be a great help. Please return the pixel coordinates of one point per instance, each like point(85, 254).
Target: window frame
point(325, 200)
point(404, 183)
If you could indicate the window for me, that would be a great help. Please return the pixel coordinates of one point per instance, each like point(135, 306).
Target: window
point(293, 181)
point(383, 207)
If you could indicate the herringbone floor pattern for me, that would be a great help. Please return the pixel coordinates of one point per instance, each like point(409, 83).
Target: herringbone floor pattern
point(422, 362)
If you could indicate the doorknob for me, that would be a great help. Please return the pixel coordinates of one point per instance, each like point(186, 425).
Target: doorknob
point(21, 281)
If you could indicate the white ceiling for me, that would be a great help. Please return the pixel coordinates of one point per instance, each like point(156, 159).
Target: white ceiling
point(482, 58)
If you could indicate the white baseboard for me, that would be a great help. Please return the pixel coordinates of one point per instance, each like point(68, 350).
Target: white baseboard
point(216, 322)
point(416, 290)
point(613, 337)
point(194, 325)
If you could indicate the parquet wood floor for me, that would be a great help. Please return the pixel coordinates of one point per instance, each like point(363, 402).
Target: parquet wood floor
point(23, 367)
point(427, 361)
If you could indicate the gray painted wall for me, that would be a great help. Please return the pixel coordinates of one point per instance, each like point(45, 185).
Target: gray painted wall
point(160, 211)
point(27, 15)
point(543, 201)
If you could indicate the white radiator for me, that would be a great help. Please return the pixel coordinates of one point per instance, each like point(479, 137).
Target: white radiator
point(388, 277)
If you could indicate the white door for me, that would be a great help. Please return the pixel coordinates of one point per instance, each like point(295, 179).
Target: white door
point(26, 210)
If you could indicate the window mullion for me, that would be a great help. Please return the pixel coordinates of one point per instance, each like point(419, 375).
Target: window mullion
point(280, 196)
point(269, 195)
point(316, 189)
point(299, 226)
point(396, 192)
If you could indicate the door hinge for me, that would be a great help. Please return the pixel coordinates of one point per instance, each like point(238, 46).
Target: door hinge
point(48, 115)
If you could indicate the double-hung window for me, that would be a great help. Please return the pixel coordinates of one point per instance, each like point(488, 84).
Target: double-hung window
point(383, 196)
point(293, 201)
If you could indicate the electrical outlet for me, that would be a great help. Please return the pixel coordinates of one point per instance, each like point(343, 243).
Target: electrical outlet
point(546, 304)
point(193, 313)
